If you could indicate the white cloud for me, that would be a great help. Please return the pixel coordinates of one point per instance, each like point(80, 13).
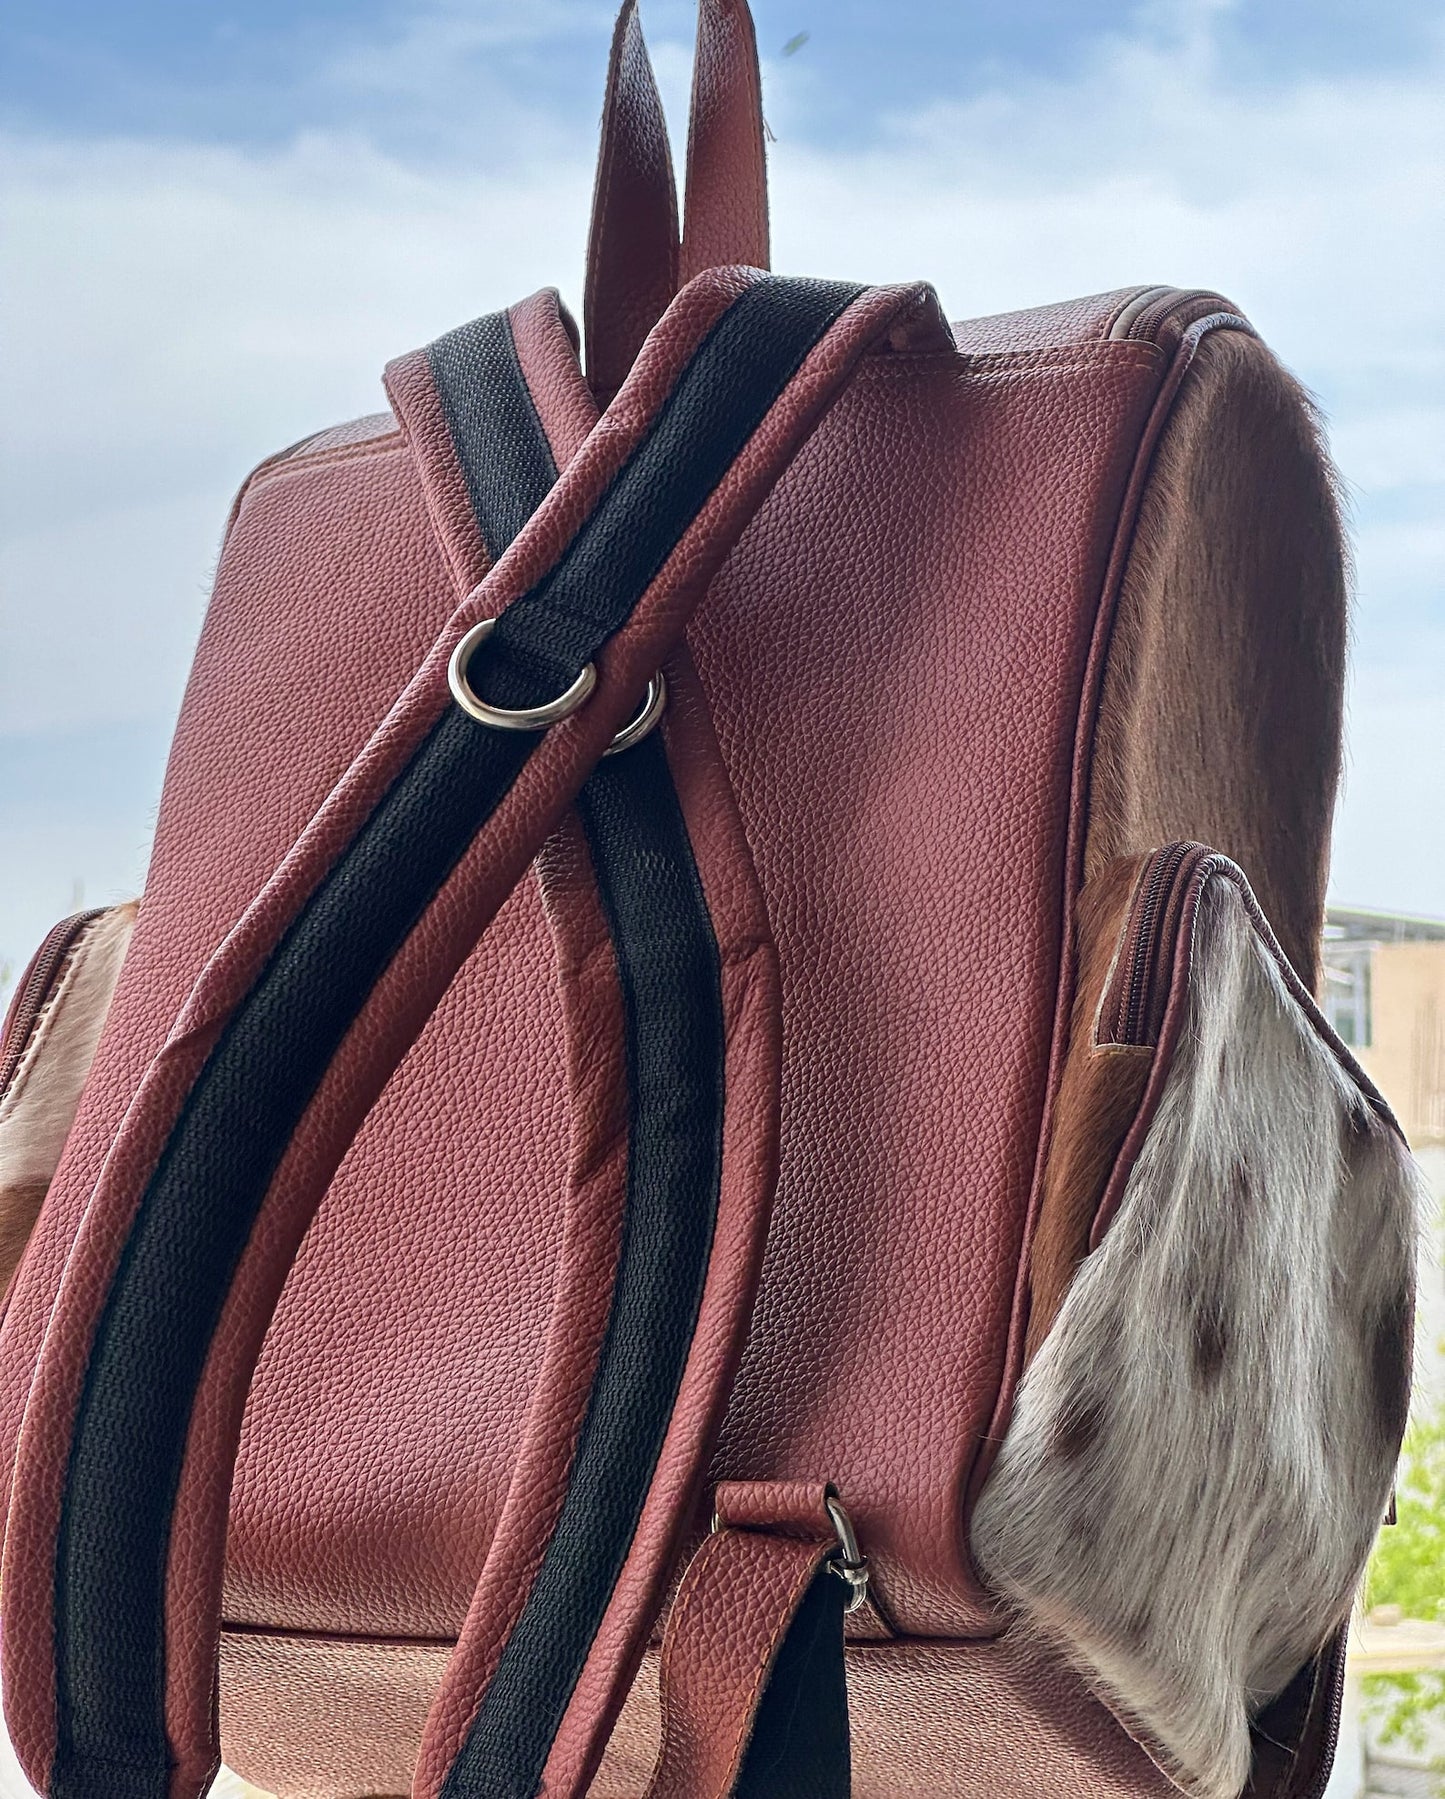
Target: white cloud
point(1387, 851)
point(174, 312)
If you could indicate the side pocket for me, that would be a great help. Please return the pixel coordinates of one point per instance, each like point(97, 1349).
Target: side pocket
point(1203, 1442)
point(49, 1041)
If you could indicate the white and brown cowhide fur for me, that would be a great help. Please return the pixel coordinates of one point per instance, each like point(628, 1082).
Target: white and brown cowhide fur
point(1203, 1447)
point(39, 1104)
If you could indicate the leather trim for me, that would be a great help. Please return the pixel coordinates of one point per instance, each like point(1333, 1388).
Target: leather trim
point(725, 217)
point(737, 1606)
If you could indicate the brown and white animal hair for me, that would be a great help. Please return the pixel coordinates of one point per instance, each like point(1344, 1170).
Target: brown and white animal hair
point(1220, 715)
point(38, 1104)
point(1203, 1446)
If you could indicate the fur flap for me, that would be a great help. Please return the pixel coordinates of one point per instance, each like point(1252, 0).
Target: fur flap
point(37, 1108)
point(1202, 1450)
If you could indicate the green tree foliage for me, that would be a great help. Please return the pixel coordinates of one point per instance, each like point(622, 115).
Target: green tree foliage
point(1408, 1570)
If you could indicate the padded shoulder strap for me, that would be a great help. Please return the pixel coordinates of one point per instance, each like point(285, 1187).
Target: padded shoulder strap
point(116, 1533)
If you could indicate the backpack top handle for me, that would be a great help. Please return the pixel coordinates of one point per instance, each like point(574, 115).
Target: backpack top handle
point(635, 263)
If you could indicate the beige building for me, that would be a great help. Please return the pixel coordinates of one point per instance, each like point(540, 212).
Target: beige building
point(1384, 992)
point(1385, 995)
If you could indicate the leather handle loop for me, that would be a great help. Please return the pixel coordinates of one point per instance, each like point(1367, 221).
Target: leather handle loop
point(725, 215)
point(634, 263)
point(632, 253)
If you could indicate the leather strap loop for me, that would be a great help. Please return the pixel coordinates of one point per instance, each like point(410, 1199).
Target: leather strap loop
point(632, 253)
point(725, 214)
point(753, 1694)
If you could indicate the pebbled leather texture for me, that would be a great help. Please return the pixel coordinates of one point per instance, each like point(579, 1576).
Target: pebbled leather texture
point(634, 261)
point(392, 1017)
point(325, 537)
point(632, 254)
point(941, 553)
point(727, 1623)
point(597, 1086)
point(996, 1719)
point(725, 208)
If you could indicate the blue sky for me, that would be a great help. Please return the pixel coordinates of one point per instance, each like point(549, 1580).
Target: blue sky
point(221, 220)
point(256, 72)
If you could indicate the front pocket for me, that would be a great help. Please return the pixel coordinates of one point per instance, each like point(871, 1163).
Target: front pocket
point(1203, 1441)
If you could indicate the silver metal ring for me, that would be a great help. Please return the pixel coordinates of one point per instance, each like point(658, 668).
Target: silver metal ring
point(504, 718)
point(850, 1565)
point(654, 704)
point(847, 1561)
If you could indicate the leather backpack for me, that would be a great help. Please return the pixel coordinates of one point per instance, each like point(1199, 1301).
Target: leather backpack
point(699, 1174)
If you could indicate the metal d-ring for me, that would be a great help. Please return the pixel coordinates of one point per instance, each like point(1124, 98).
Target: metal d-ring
point(850, 1564)
point(506, 718)
point(538, 718)
point(847, 1561)
point(654, 704)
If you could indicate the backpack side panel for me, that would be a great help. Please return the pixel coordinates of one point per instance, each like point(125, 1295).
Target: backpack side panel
point(1221, 713)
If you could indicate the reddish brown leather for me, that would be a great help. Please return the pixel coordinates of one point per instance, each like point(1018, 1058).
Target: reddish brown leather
point(632, 253)
point(725, 210)
point(633, 258)
point(944, 552)
point(751, 1003)
point(393, 1017)
point(918, 1037)
point(352, 1719)
point(789, 1508)
point(596, 1194)
point(728, 1620)
point(980, 1720)
point(308, 556)
point(752, 1012)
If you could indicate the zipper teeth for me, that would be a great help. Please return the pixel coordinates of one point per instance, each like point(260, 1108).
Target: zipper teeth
point(35, 989)
point(1150, 317)
point(1321, 1781)
point(1167, 863)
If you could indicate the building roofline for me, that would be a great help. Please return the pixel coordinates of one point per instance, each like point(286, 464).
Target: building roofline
point(1370, 920)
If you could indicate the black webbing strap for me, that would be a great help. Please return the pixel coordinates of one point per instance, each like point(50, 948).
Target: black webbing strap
point(667, 966)
point(800, 1747)
point(202, 1200)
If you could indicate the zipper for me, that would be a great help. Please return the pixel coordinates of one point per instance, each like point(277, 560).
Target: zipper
point(1133, 1006)
point(1142, 318)
point(1316, 1788)
point(37, 985)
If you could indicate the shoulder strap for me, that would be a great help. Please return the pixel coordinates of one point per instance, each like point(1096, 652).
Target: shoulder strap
point(633, 265)
point(116, 1530)
point(754, 1704)
point(670, 985)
